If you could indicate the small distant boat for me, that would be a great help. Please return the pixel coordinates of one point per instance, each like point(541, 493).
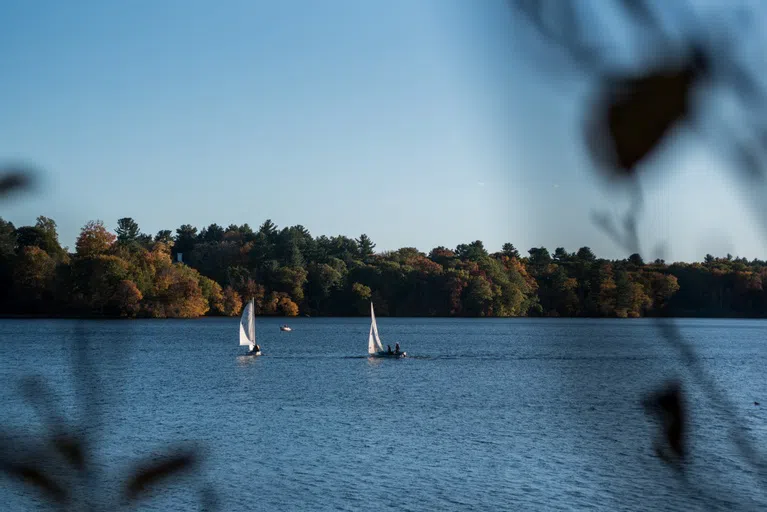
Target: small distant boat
point(285, 328)
point(248, 329)
point(375, 347)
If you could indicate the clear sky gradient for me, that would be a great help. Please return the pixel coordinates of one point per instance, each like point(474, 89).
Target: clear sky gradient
point(418, 122)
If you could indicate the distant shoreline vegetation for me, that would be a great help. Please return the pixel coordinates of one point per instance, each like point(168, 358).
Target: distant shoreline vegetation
point(290, 273)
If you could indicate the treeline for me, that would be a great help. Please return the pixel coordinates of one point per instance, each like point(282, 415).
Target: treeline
point(290, 272)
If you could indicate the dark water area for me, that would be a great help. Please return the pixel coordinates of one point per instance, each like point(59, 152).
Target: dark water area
point(495, 414)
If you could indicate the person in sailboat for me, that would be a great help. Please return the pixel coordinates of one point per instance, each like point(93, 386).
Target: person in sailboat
point(388, 349)
point(396, 348)
point(256, 348)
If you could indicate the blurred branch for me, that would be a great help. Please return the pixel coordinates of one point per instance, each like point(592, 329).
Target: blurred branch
point(15, 179)
point(634, 114)
point(566, 37)
point(149, 474)
point(38, 466)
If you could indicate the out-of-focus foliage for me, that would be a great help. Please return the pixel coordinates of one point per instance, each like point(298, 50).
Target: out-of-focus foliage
point(677, 72)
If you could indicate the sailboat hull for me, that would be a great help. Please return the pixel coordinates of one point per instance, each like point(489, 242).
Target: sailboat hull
point(252, 353)
point(389, 356)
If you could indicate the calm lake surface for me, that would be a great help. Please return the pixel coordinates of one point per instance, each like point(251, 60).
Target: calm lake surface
point(519, 414)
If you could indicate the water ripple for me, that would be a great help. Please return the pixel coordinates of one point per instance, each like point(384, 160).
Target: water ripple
point(509, 415)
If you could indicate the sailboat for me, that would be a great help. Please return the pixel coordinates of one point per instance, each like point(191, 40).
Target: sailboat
point(375, 347)
point(248, 329)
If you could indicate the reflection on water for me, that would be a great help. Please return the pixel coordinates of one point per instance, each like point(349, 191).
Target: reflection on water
point(374, 361)
point(246, 360)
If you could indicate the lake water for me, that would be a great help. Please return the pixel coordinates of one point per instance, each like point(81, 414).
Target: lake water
point(519, 414)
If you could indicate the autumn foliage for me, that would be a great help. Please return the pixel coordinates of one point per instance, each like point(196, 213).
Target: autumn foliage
point(287, 272)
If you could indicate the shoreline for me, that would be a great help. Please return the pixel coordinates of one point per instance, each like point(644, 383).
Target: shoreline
point(32, 316)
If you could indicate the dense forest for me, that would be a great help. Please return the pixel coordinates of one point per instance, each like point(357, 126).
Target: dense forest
point(188, 274)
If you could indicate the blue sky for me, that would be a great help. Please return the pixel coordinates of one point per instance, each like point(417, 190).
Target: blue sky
point(420, 123)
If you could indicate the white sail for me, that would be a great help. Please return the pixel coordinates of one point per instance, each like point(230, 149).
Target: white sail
point(374, 341)
point(371, 343)
point(248, 327)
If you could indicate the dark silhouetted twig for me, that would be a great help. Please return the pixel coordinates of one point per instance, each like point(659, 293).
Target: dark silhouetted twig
point(635, 113)
point(37, 467)
point(15, 179)
point(668, 404)
point(147, 475)
point(33, 476)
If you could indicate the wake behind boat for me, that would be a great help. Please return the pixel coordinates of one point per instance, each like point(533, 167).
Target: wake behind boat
point(375, 347)
point(248, 329)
